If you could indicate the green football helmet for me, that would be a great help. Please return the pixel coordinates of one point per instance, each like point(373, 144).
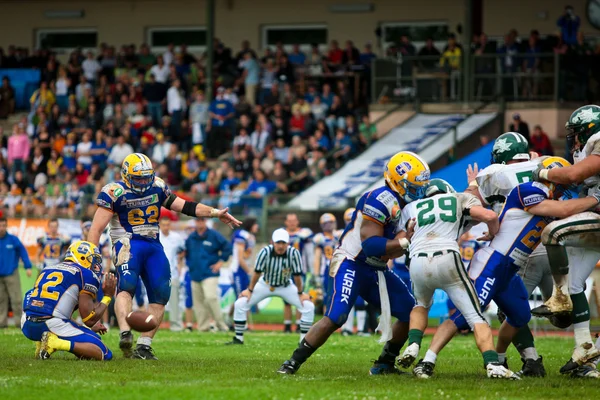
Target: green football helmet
point(583, 123)
point(510, 146)
point(437, 186)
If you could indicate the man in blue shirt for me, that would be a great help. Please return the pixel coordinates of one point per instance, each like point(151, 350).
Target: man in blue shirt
point(221, 113)
point(11, 250)
point(251, 77)
point(206, 251)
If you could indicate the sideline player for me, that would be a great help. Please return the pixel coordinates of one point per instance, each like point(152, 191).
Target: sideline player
point(132, 207)
point(573, 243)
point(435, 263)
point(528, 209)
point(278, 272)
point(325, 243)
point(243, 241)
point(58, 291)
point(358, 266)
point(52, 246)
point(300, 239)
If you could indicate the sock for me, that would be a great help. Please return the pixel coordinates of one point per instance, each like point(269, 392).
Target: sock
point(582, 333)
point(530, 353)
point(581, 308)
point(415, 336)
point(62, 344)
point(523, 339)
point(287, 325)
point(303, 351)
point(501, 358)
point(490, 356)
point(349, 324)
point(239, 327)
point(188, 325)
point(361, 319)
point(390, 352)
point(430, 356)
point(145, 340)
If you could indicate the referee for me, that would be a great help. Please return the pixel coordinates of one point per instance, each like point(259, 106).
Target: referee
point(276, 264)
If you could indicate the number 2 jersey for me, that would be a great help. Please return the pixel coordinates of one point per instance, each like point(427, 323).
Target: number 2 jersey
point(520, 231)
point(134, 215)
point(53, 248)
point(56, 291)
point(439, 221)
point(382, 206)
point(327, 243)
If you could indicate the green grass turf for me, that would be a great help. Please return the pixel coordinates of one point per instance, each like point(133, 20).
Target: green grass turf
point(200, 366)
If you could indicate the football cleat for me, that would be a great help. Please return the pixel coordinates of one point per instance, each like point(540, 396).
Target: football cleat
point(346, 333)
point(588, 371)
point(533, 368)
point(409, 356)
point(47, 347)
point(584, 353)
point(289, 367)
point(560, 303)
point(144, 352)
point(424, 369)
point(498, 371)
point(235, 341)
point(383, 368)
point(126, 343)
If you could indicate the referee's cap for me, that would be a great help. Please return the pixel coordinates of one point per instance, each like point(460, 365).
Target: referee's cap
point(281, 235)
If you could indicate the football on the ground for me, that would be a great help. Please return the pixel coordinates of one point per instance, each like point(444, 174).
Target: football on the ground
point(141, 321)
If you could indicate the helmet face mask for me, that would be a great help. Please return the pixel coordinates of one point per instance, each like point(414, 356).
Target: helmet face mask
point(137, 173)
point(140, 184)
point(582, 124)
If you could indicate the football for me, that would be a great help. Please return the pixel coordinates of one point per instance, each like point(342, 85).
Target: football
point(141, 321)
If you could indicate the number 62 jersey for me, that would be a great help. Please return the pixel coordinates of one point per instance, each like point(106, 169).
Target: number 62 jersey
point(135, 215)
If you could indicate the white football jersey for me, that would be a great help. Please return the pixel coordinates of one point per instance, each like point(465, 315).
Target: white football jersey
point(439, 221)
point(496, 181)
point(591, 147)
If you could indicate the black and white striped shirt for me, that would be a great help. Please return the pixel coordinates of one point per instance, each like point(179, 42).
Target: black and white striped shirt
point(277, 270)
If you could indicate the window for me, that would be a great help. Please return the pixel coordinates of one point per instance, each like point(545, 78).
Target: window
point(158, 38)
point(418, 32)
point(65, 40)
point(304, 35)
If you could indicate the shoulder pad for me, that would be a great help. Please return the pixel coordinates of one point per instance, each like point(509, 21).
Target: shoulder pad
point(318, 238)
point(158, 182)
point(387, 199)
point(542, 187)
point(244, 234)
point(305, 233)
point(591, 142)
point(114, 190)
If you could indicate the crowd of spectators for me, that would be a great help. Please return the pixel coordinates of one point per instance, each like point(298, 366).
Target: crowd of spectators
point(270, 125)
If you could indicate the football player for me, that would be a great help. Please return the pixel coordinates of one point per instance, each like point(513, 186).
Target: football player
point(300, 239)
point(132, 207)
point(243, 241)
point(528, 209)
point(325, 243)
point(510, 167)
point(358, 265)
point(61, 289)
point(581, 233)
point(435, 264)
point(52, 245)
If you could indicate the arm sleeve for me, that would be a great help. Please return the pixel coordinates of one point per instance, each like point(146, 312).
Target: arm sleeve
point(261, 260)
point(296, 262)
point(91, 285)
point(531, 194)
point(375, 209)
point(23, 254)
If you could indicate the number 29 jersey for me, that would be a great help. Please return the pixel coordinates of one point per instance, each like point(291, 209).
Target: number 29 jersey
point(520, 231)
point(438, 221)
point(134, 215)
point(56, 291)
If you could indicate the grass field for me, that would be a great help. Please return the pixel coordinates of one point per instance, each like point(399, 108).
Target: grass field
point(200, 366)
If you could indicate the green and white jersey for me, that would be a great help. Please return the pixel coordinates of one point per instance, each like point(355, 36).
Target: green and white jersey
point(592, 147)
point(496, 181)
point(439, 221)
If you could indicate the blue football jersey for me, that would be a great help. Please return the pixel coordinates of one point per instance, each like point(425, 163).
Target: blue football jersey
point(56, 291)
point(53, 248)
point(244, 237)
point(382, 206)
point(520, 231)
point(134, 214)
point(467, 249)
point(299, 239)
point(327, 243)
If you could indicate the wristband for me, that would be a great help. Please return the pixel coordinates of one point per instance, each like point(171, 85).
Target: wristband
point(300, 293)
point(214, 213)
point(473, 183)
point(106, 300)
point(404, 243)
point(544, 174)
point(250, 290)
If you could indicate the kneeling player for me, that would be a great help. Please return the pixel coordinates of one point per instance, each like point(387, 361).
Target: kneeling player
point(59, 290)
point(275, 265)
point(527, 211)
point(435, 263)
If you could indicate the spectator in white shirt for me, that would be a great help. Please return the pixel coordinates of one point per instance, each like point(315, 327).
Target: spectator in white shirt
point(260, 138)
point(241, 142)
point(90, 68)
point(161, 149)
point(81, 88)
point(175, 107)
point(160, 70)
point(119, 151)
point(318, 109)
point(83, 150)
point(169, 55)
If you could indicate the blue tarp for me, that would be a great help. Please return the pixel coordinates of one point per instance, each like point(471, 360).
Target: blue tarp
point(25, 82)
point(455, 173)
